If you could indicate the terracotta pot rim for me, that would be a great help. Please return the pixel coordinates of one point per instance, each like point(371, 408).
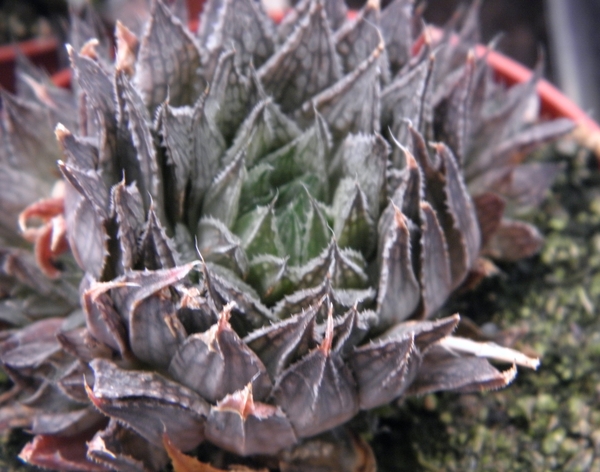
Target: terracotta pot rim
point(29, 47)
point(41, 51)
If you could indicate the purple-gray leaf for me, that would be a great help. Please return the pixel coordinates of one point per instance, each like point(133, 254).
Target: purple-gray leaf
point(149, 403)
point(514, 240)
point(168, 61)
point(155, 332)
point(436, 280)
point(245, 427)
point(399, 292)
point(407, 99)
point(90, 185)
point(145, 170)
point(351, 329)
point(86, 233)
point(80, 343)
point(157, 250)
point(230, 95)
point(217, 362)
point(381, 370)
point(356, 39)
point(67, 423)
point(353, 224)
point(248, 311)
point(456, 214)
point(424, 333)
point(318, 392)
point(281, 343)
point(443, 370)
point(306, 64)
point(351, 105)
point(120, 448)
point(33, 148)
point(396, 29)
point(129, 209)
point(241, 24)
point(85, 24)
point(103, 322)
point(96, 85)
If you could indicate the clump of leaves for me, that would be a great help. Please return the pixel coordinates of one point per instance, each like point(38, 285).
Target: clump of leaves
point(261, 221)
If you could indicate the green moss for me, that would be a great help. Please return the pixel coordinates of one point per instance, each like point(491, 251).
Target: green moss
point(549, 419)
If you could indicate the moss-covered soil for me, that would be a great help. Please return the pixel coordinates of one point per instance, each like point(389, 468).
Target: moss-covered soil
point(546, 420)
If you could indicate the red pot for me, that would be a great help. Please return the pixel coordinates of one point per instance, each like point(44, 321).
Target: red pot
point(43, 52)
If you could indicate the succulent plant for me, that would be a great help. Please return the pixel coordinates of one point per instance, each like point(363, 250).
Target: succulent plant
point(249, 230)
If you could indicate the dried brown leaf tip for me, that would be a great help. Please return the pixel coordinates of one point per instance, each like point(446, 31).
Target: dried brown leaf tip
point(260, 234)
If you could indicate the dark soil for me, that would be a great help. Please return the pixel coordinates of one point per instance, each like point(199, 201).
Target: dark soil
point(21, 20)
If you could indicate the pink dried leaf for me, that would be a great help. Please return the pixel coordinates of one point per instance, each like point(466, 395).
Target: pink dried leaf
point(60, 453)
